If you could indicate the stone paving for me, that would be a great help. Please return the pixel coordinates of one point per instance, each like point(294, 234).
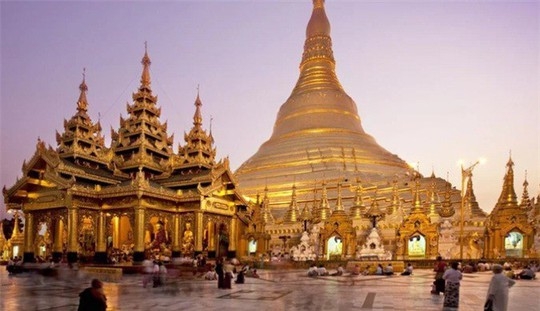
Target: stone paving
point(274, 290)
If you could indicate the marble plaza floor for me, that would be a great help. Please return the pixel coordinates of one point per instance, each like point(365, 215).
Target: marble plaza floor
point(275, 290)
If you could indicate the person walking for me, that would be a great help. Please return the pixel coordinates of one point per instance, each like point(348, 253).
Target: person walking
point(498, 289)
point(93, 298)
point(453, 278)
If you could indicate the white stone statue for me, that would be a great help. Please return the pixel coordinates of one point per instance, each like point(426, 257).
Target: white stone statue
point(373, 247)
point(303, 251)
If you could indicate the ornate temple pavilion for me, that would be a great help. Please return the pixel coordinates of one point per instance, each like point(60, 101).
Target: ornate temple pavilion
point(137, 196)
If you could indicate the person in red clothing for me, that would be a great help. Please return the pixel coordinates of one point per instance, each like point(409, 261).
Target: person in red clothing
point(93, 298)
point(439, 283)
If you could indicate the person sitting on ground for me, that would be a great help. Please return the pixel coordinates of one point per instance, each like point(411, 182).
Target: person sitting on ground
point(322, 270)
point(389, 270)
point(313, 271)
point(408, 270)
point(211, 275)
point(356, 270)
point(339, 271)
point(379, 270)
point(240, 279)
point(254, 273)
point(509, 272)
point(527, 274)
point(367, 270)
point(93, 298)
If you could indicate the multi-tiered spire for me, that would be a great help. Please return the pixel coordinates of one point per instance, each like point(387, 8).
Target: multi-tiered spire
point(82, 141)
point(508, 197)
point(292, 213)
point(199, 144)
point(142, 141)
point(358, 208)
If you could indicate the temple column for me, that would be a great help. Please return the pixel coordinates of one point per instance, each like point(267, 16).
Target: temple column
point(199, 231)
point(73, 234)
point(138, 251)
point(116, 231)
point(211, 236)
point(233, 237)
point(100, 255)
point(28, 253)
point(176, 236)
point(58, 247)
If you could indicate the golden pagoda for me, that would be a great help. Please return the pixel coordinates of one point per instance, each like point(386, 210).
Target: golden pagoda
point(137, 196)
point(318, 143)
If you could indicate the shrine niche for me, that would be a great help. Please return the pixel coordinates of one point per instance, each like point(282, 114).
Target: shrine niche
point(87, 237)
point(223, 240)
point(417, 236)
point(338, 238)
point(417, 246)
point(188, 242)
point(513, 244)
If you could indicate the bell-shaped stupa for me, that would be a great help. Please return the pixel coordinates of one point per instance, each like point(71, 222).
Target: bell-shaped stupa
point(318, 134)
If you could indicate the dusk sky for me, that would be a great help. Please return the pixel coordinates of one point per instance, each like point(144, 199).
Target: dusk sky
point(435, 82)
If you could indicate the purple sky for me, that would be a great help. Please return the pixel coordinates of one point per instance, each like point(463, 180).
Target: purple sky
point(434, 82)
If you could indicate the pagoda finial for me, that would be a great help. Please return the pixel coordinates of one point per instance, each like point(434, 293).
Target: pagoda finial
point(82, 103)
point(197, 117)
point(317, 69)
point(145, 77)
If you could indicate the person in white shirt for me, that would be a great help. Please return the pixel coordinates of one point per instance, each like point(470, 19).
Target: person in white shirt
point(453, 278)
point(389, 270)
point(498, 289)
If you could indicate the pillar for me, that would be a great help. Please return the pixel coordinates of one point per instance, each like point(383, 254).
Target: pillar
point(199, 231)
point(211, 235)
point(176, 247)
point(58, 247)
point(28, 253)
point(100, 255)
point(138, 251)
point(73, 234)
point(116, 231)
point(233, 237)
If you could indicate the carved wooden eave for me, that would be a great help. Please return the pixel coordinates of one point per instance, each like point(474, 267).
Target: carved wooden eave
point(134, 189)
point(77, 172)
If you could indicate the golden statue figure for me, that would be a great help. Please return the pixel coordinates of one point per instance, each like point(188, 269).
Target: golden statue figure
point(187, 240)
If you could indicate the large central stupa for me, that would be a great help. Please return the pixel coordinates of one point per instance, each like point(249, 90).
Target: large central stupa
point(318, 136)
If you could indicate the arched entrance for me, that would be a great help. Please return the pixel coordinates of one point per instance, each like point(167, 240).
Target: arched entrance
point(513, 244)
point(416, 246)
point(334, 247)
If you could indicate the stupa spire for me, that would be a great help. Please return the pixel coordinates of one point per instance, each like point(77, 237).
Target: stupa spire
point(82, 103)
point(508, 194)
point(317, 69)
point(525, 200)
point(145, 76)
point(197, 117)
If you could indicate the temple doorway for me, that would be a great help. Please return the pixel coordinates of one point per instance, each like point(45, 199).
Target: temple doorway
point(223, 241)
point(513, 244)
point(252, 246)
point(334, 247)
point(417, 246)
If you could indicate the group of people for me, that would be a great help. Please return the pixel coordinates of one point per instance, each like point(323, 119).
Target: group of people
point(225, 272)
point(155, 272)
point(314, 271)
point(448, 280)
